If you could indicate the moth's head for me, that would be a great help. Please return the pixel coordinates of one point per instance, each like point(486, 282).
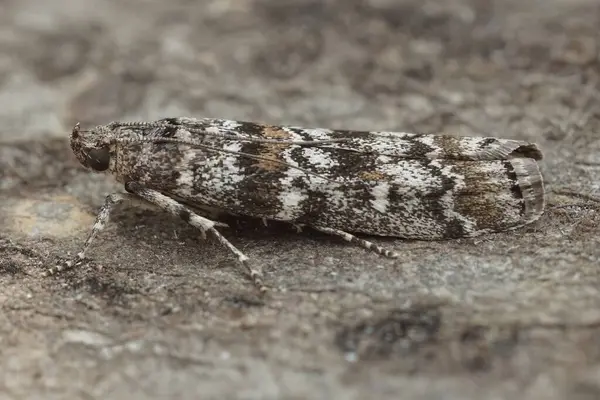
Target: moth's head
point(94, 148)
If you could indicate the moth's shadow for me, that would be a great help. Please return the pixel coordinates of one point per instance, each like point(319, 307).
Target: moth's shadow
point(255, 228)
point(156, 223)
point(239, 228)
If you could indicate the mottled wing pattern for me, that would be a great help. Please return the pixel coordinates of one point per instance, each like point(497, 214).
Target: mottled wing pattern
point(381, 183)
point(399, 144)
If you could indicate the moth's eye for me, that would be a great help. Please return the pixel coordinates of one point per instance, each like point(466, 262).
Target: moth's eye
point(99, 159)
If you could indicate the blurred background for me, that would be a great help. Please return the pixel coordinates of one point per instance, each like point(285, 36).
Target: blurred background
point(398, 64)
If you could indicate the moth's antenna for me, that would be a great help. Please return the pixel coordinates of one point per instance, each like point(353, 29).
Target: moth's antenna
point(218, 150)
point(258, 140)
point(146, 125)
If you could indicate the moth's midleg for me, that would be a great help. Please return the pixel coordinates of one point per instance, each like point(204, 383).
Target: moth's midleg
point(353, 239)
point(203, 224)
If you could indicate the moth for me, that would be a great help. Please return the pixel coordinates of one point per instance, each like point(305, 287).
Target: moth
point(341, 182)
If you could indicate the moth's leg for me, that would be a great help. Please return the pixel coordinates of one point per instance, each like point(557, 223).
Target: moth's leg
point(353, 239)
point(111, 201)
point(203, 224)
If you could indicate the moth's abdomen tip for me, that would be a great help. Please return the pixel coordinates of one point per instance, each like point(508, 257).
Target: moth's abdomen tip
point(512, 149)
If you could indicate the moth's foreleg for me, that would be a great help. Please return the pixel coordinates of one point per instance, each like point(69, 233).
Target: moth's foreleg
point(353, 239)
point(111, 201)
point(203, 224)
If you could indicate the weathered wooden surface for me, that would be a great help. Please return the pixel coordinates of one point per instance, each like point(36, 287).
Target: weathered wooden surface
point(507, 316)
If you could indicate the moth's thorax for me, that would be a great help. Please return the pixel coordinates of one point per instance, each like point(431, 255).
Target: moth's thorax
point(156, 165)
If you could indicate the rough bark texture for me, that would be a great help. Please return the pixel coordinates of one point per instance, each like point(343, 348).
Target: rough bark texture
point(159, 312)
